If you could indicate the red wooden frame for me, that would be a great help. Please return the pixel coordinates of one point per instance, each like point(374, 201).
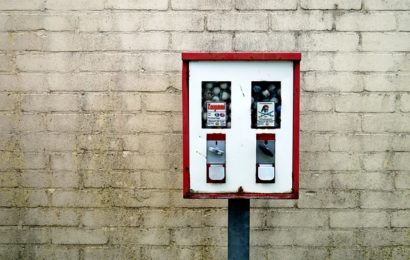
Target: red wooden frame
point(241, 56)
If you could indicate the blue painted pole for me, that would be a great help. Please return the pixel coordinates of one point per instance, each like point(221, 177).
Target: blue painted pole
point(238, 229)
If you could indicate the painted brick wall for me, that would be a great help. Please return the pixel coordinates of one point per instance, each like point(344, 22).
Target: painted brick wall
point(90, 128)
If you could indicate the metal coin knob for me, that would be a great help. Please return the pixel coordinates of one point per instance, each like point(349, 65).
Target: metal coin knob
point(266, 150)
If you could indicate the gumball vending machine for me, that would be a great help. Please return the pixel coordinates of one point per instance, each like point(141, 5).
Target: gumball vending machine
point(241, 125)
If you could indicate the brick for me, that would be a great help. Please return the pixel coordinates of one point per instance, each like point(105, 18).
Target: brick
point(201, 41)
point(110, 22)
point(19, 160)
point(402, 181)
point(162, 102)
point(7, 198)
point(367, 62)
point(161, 62)
point(50, 252)
point(292, 218)
point(47, 62)
point(328, 41)
point(80, 198)
point(237, 22)
point(363, 181)
point(346, 253)
point(152, 143)
point(140, 236)
point(65, 180)
point(305, 237)
point(105, 42)
point(152, 82)
point(317, 62)
point(358, 219)
point(161, 180)
point(288, 253)
point(47, 141)
point(35, 179)
point(332, 4)
point(264, 42)
point(365, 103)
point(389, 161)
point(360, 143)
point(9, 216)
point(72, 82)
point(401, 143)
point(381, 123)
point(301, 21)
point(332, 82)
point(387, 82)
point(365, 22)
point(200, 236)
point(385, 41)
point(108, 218)
point(137, 4)
point(405, 102)
point(400, 218)
point(122, 252)
point(112, 102)
point(266, 5)
point(110, 62)
point(331, 161)
point(314, 142)
point(141, 198)
point(78, 236)
point(386, 5)
point(9, 179)
point(174, 22)
point(75, 5)
point(154, 218)
point(6, 64)
point(330, 122)
point(201, 5)
point(323, 103)
point(24, 22)
point(21, 5)
point(7, 102)
point(50, 102)
point(382, 237)
point(49, 217)
point(403, 22)
point(15, 235)
point(329, 199)
point(29, 41)
point(314, 180)
point(385, 200)
point(131, 160)
point(142, 123)
point(177, 253)
point(401, 253)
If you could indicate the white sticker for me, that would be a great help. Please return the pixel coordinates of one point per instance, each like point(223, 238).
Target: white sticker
point(216, 114)
point(266, 114)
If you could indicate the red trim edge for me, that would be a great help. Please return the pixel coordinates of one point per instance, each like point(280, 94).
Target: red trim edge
point(294, 56)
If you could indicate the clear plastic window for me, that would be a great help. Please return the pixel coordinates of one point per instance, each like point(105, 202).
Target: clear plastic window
point(216, 104)
point(266, 104)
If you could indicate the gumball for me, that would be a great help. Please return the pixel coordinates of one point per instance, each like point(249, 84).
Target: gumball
point(275, 100)
point(278, 108)
point(265, 93)
point(224, 85)
point(278, 91)
point(216, 99)
point(216, 90)
point(204, 116)
point(208, 95)
point(225, 95)
point(208, 85)
point(257, 89)
point(228, 125)
point(271, 88)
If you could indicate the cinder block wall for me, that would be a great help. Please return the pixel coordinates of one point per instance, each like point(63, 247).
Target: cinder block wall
point(90, 128)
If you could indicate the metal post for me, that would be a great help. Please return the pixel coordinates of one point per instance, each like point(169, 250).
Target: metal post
point(238, 229)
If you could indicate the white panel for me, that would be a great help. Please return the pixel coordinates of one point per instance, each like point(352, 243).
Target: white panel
point(241, 138)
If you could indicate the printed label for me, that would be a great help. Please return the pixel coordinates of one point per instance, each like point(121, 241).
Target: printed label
point(216, 114)
point(265, 114)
